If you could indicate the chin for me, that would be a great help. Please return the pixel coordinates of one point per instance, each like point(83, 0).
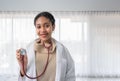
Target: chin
point(44, 39)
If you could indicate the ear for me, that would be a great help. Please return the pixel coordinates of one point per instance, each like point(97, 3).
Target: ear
point(53, 28)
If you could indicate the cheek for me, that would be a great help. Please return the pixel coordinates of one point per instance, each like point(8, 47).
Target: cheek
point(37, 31)
point(50, 31)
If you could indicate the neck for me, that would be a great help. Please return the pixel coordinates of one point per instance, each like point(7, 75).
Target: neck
point(47, 42)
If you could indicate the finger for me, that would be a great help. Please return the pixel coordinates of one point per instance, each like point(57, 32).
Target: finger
point(18, 50)
point(17, 54)
point(18, 57)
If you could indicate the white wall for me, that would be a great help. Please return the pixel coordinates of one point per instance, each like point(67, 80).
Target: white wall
point(59, 5)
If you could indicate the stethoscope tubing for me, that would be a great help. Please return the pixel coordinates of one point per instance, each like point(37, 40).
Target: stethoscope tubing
point(30, 77)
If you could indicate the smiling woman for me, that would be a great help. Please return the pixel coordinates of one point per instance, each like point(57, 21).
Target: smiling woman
point(45, 47)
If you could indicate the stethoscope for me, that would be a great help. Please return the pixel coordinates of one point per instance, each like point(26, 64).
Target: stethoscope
point(23, 52)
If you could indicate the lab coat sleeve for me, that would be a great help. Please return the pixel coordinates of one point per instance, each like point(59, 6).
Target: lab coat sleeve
point(20, 78)
point(31, 64)
point(70, 72)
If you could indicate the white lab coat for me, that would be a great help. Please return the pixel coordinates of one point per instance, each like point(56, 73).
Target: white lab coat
point(65, 70)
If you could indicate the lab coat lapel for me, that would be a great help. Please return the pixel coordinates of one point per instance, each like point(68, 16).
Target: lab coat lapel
point(60, 62)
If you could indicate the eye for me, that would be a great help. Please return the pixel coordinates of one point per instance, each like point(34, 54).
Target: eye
point(47, 25)
point(38, 27)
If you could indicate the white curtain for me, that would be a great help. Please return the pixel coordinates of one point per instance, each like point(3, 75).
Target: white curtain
point(92, 37)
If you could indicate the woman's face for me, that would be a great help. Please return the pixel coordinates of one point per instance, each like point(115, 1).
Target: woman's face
point(44, 28)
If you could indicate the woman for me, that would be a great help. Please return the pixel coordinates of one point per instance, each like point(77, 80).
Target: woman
point(46, 57)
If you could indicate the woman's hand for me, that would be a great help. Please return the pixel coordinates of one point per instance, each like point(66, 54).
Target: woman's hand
point(20, 59)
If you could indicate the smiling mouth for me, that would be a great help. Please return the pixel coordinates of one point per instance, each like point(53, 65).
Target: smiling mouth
point(43, 35)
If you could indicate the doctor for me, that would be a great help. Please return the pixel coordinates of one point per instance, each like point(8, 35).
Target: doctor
point(46, 57)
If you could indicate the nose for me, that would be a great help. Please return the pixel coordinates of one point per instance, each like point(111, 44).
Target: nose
point(42, 29)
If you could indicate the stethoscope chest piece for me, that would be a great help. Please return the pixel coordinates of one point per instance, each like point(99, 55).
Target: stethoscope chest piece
point(22, 51)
